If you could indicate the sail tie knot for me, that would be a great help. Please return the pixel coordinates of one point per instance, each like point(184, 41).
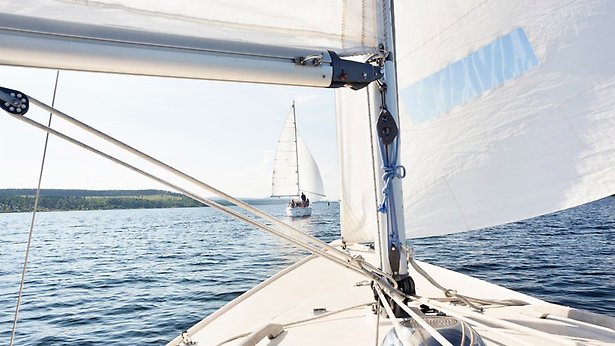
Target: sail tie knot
point(390, 172)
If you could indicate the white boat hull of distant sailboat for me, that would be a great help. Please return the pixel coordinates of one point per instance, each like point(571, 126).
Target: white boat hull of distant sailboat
point(298, 211)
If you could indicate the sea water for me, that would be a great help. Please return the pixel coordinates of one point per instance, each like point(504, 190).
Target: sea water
point(140, 277)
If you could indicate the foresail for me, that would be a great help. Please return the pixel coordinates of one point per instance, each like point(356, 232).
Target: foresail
point(507, 109)
point(285, 181)
point(310, 179)
point(358, 192)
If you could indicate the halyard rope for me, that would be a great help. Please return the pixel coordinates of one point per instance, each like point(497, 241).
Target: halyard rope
point(469, 301)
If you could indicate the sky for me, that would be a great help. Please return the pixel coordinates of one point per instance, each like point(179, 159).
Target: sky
point(222, 133)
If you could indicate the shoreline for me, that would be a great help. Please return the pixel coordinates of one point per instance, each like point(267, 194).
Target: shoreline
point(22, 200)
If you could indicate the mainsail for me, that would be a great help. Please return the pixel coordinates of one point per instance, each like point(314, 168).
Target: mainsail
point(348, 27)
point(513, 119)
point(294, 169)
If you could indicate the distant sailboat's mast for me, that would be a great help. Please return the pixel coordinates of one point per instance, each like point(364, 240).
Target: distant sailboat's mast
point(296, 148)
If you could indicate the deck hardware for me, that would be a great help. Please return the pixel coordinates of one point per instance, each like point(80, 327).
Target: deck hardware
point(314, 60)
point(353, 74)
point(387, 128)
point(271, 331)
point(362, 283)
point(187, 340)
point(319, 310)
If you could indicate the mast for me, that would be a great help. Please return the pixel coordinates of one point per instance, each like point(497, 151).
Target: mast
point(391, 237)
point(296, 148)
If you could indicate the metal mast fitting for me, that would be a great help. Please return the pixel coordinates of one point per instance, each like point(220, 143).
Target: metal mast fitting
point(353, 74)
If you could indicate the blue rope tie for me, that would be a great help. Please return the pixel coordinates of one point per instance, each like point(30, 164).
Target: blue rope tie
point(390, 172)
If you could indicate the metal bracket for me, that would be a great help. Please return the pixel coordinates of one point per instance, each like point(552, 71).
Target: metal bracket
point(314, 60)
point(379, 58)
point(13, 101)
point(353, 74)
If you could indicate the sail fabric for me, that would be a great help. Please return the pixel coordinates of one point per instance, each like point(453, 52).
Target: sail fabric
point(508, 110)
point(347, 27)
point(358, 192)
point(294, 168)
point(310, 179)
point(285, 181)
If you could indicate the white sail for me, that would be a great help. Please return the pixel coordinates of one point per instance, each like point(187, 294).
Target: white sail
point(345, 26)
point(358, 192)
point(294, 167)
point(285, 178)
point(310, 179)
point(505, 113)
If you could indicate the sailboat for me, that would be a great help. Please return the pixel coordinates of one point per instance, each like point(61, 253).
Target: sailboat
point(295, 172)
point(451, 116)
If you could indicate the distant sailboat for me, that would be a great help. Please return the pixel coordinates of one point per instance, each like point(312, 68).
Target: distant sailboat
point(295, 172)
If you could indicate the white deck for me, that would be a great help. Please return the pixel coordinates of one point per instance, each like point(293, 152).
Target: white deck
point(294, 293)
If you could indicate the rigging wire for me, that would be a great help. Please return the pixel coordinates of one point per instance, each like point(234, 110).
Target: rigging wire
point(36, 199)
point(296, 237)
point(187, 177)
point(356, 263)
point(400, 302)
point(377, 308)
point(399, 329)
point(325, 249)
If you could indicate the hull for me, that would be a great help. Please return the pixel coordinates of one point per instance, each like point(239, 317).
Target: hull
point(295, 297)
point(298, 211)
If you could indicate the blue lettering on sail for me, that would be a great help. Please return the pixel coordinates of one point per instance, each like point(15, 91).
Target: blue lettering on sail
point(503, 59)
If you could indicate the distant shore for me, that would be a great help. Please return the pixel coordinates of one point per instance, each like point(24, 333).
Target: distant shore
point(22, 200)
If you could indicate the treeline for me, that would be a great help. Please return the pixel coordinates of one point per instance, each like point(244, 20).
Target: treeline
point(86, 193)
point(22, 200)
